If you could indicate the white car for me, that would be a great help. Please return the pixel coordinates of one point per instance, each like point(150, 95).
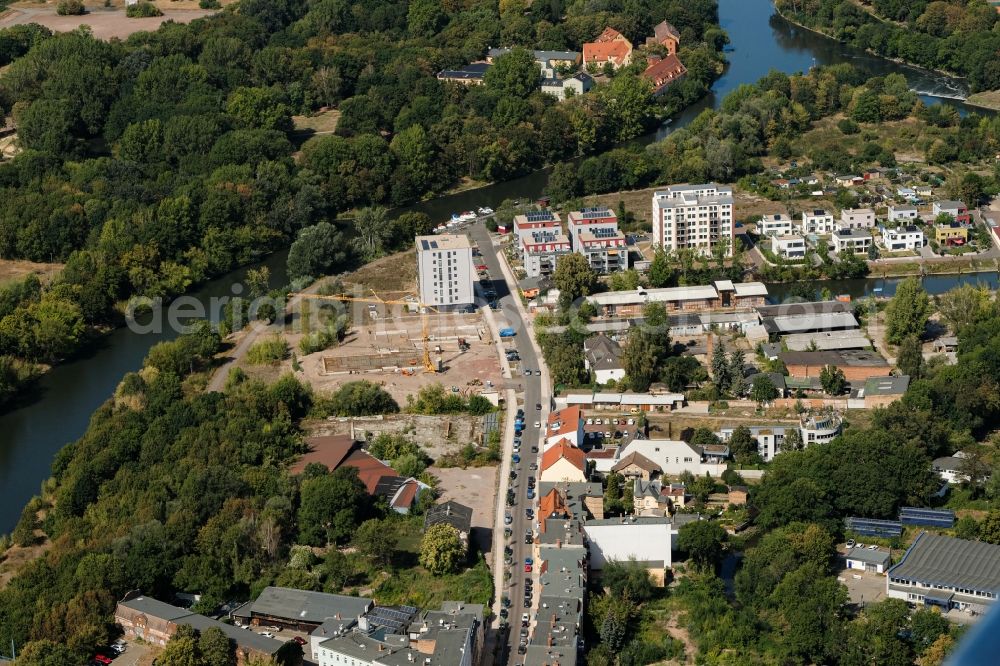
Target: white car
point(267, 634)
point(538, 424)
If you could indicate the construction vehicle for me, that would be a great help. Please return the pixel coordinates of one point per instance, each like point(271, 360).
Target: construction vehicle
point(375, 299)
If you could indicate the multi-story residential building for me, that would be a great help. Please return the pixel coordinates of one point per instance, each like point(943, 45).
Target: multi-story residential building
point(951, 234)
point(674, 457)
point(956, 209)
point(536, 220)
point(469, 75)
point(856, 241)
point(775, 225)
point(549, 62)
point(698, 217)
point(789, 247)
point(594, 233)
point(943, 571)
point(902, 238)
point(540, 251)
point(819, 428)
point(770, 439)
point(856, 218)
point(817, 221)
point(445, 272)
point(610, 47)
point(664, 72)
point(903, 213)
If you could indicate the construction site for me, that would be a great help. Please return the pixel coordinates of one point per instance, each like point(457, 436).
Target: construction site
point(403, 346)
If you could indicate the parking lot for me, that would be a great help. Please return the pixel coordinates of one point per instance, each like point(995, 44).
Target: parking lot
point(137, 654)
point(862, 587)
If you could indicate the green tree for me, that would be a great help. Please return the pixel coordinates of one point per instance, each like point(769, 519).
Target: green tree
point(316, 251)
point(564, 183)
point(907, 312)
point(989, 527)
point(628, 579)
point(70, 8)
point(574, 278)
point(513, 75)
point(965, 305)
point(216, 648)
point(910, 357)
point(182, 649)
point(331, 507)
point(47, 653)
point(361, 398)
point(376, 540)
point(371, 231)
point(720, 368)
point(743, 445)
point(832, 379)
point(763, 390)
point(259, 108)
point(441, 549)
point(661, 270)
point(703, 541)
point(425, 18)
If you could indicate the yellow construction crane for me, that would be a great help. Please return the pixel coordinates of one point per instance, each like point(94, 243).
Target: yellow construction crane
point(429, 366)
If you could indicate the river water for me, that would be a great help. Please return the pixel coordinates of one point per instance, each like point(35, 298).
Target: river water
point(31, 435)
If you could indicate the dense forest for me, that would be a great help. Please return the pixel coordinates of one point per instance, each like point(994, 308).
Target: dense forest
point(957, 36)
point(154, 163)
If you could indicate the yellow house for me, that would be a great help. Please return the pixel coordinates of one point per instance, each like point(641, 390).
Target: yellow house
point(563, 462)
point(951, 234)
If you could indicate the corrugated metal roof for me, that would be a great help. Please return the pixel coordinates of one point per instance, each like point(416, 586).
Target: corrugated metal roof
point(941, 560)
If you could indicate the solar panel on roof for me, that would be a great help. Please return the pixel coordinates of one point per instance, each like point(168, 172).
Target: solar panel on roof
point(910, 515)
point(538, 216)
point(423, 244)
point(605, 233)
point(874, 527)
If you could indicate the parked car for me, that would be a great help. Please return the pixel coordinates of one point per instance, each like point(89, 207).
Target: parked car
point(299, 640)
point(266, 634)
point(850, 543)
point(102, 659)
point(538, 406)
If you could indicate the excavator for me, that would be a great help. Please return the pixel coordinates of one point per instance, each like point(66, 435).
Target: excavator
point(429, 365)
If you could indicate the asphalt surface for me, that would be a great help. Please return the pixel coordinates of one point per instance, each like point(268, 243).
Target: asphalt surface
point(529, 395)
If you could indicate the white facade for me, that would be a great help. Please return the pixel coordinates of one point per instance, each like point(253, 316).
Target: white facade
point(644, 539)
point(903, 213)
point(594, 233)
point(819, 428)
point(445, 271)
point(770, 439)
point(857, 218)
point(564, 424)
point(817, 222)
point(673, 456)
point(775, 225)
point(698, 217)
point(851, 240)
point(789, 247)
point(540, 252)
point(902, 238)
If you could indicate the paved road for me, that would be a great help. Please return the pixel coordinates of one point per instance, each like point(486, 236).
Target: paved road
point(532, 395)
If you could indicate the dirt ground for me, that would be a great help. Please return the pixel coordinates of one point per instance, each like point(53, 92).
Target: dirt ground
point(387, 276)
point(324, 122)
point(436, 434)
point(475, 487)
point(13, 269)
point(469, 371)
point(105, 23)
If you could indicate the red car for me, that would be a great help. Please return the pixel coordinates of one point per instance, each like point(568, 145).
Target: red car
point(481, 267)
point(527, 568)
point(299, 640)
point(100, 658)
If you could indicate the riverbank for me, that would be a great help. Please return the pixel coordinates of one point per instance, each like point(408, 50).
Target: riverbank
point(988, 99)
point(898, 61)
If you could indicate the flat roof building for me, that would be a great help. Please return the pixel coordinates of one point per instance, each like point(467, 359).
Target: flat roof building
point(698, 217)
point(445, 272)
point(299, 609)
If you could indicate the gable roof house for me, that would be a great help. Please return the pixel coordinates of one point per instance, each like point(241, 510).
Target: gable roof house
point(563, 462)
point(602, 356)
point(663, 73)
point(635, 465)
point(451, 513)
point(665, 35)
point(609, 47)
point(564, 424)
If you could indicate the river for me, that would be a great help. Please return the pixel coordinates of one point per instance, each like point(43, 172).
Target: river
point(760, 41)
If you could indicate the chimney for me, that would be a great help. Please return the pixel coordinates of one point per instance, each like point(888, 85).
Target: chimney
point(337, 616)
point(558, 543)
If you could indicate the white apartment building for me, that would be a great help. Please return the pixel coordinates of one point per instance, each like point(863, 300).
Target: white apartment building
point(445, 272)
point(851, 240)
point(817, 221)
point(698, 217)
point(903, 213)
point(857, 218)
point(775, 225)
point(534, 221)
point(902, 238)
point(540, 251)
point(789, 247)
point(594, 233)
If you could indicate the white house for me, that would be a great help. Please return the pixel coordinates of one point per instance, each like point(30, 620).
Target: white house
point(902, 238)
point(857, 218)
point(602, 356)
point(646, 539)
point(819, 428)
point(789, 247)
point(563, 462)
point(774, 225)
point(770, 439)
point(675, 456)
point(907, 193)
point(564, 424)
point(573, 86)
point(817, 221)
point(903, 213)
point(951, 468)
point(956, 209)
point(851, 240)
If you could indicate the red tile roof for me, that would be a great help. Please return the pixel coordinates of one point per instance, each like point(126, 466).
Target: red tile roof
point(552, 505)
point(568, 420)
point(370, 469)
point(609, 35)
point(602, 52)
point(564, 449)
point(404, 498)
point(665, 72)
point(328, 450)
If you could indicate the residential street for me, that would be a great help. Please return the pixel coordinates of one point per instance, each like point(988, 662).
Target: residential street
point(534, 388)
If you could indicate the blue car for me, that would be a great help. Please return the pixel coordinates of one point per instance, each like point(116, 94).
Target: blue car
point(531, 493)
point(528, 560)
point(516, 458)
